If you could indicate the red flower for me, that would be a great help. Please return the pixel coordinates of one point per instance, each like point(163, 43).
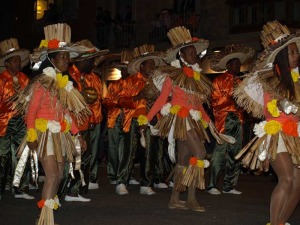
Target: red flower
point(193, 161)
point(195, 39)
point(183, 112)
point(63, 125)
point(290, 128)
point(41, 203)
point(189, 72)
point(53, 44)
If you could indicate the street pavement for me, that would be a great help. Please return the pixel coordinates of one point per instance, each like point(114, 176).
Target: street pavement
point(107, 208)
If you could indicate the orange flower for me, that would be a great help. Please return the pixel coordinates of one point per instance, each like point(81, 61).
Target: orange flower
point(290, 128)
point(54, 43)
point(188, 71)
point(183, 112)
point(63, 125)
point(193, 161)
point(41, 203)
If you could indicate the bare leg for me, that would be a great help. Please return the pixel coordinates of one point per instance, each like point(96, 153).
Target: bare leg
point(192, 146)
point(54, 174)
point(293, 197)
point(284, 168)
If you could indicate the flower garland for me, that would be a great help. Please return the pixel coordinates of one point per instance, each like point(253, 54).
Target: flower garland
point(272, 108)
point(62, 80)
point(272, 127)
point(295, 74)
point(197, 162)
point(183, 112)
point(31, 135)
point(50, 203)
point(189, 72)
point(54, 127)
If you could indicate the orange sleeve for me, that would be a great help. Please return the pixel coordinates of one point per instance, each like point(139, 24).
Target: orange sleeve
point(34, 105)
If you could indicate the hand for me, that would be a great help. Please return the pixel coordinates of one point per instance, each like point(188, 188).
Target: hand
point(143, 128)
point(92, 126)
point(82, 143)
point(32, 145)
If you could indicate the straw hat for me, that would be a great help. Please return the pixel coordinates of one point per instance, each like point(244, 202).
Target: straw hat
point(10, 48)
point(242, 52)
point(88, 51)
point(181, 37)
point(57, 38)
point(141, 54)
point(274, 38)
point(125, 58)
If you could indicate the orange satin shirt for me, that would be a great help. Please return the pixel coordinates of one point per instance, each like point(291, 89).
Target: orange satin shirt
point(222, 99)
point(7, 91)
point(110, 101)
point(132, 85)
point(90, 80)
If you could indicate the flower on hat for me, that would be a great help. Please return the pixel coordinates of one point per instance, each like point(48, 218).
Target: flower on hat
point(53, 44)
point(44, 43)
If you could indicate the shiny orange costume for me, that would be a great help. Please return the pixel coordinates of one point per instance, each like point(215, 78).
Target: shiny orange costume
point(90, 80)
point(132, 85)
point(222, 100)
point(6, 91)
point(111, 100)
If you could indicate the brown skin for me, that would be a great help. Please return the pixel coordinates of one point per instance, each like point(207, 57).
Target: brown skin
point(189, 54)
point(293, 53)
point(61, 61)
point(234, 66)
point(146, 68)
point(13, 65)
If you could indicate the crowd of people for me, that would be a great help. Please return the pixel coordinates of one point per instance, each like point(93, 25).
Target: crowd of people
point(156, 115)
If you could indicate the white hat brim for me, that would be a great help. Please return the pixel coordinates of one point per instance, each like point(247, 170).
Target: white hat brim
point(23, 53)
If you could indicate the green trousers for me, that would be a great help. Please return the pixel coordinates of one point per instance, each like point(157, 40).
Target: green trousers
point(223, 156)
point(9, 144)
point(115, 152)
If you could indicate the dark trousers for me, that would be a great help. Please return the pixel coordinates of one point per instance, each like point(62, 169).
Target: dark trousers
point(9, 144)
point(223, 155)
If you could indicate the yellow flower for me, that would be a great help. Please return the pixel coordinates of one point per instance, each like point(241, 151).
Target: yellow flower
point(272, 108)
point(142, 120)
point(197, 75)
point(295, 75)
point(184, 170)
point(272, 127)
point(62, 81)
point(41, 124)
point(68, 127)
point(31, 135)
point(200, 163)
point(204, 123)
point(174, 109)
point(55, 206)
point(44, 43)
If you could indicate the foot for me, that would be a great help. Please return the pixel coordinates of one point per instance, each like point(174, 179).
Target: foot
point(171, 184)
point(160, 185)
point(214, 191)
point(133, 181)
point(195, 206)
point(23, 196)
point(177, 205)
point(232, 191)
point(121, 189)
point(77, 198)
point(146, 191)
point(93, 186)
